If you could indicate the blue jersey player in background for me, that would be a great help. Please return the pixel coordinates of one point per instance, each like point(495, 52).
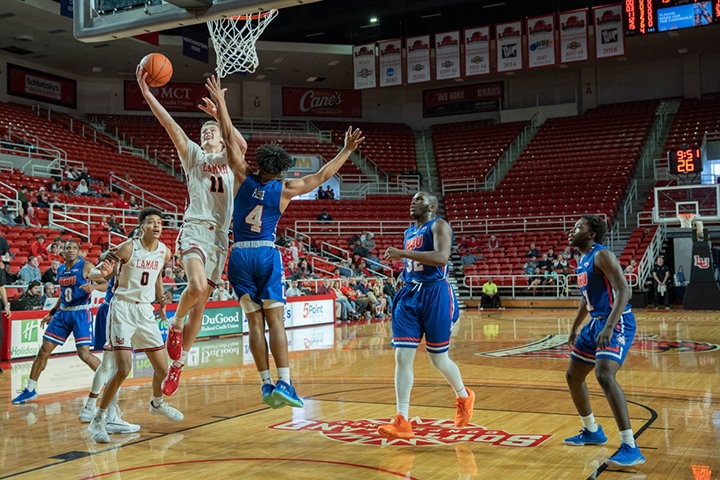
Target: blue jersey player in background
point(603, 343)
point(425, 307)
point(71, 313)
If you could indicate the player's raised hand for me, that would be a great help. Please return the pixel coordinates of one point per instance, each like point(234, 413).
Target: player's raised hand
point(141, 76)
point(353, 139)
point(210, 108)
point(393, 253)
point(215, 88)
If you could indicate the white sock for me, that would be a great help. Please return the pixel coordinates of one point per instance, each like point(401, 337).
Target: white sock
point(101, 413)
point(450, 371)
point(31, 385)
point(91, 402)
point(404, 358)
point(102, 374)
point(265, 377)
point(589, 423)
point(157, 401)
point(626, 437)
point(183, 357)
point(284, 374)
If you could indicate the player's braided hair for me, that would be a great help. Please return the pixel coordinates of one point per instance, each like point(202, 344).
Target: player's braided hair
point(148, 211)
point(273, 159)
point(596, 225)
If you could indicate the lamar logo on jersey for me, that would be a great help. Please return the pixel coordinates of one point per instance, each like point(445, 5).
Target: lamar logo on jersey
point(147, 264)
point(215, 169)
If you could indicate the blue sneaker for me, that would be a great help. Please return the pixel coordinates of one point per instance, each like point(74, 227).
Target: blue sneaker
point(286, 393)
point(626, 456)
point(25, 396)
point(587, 437)
point(268, 399)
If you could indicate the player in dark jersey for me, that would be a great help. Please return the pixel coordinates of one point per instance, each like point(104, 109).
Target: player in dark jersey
point(71, 313)
point(425, 306)
point(603, 343)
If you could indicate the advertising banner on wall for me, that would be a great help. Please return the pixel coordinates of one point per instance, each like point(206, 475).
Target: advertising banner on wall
point(176, 97)
point(574, 42)
point(541, 41)
point(508, 44)
point(447, 55)
point(364, 66)
point(609, 32)
point(484, 97)
point(391, 73)
point(418, 59)
point(195, 44)
point(41, 86)
point(321, 102)
point(477, 51)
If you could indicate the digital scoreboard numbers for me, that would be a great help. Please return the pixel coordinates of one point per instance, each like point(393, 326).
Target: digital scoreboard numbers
point(648, 16)
point(685, 161)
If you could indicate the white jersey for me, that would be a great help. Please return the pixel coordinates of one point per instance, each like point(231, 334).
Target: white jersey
point(211, 185)
point(136, 278)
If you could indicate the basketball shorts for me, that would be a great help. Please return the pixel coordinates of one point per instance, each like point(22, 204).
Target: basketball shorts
point(429, 310)
point(101, 326)
point(133, 326)
point(585, 349)
point(209, 242)
point(257, 272)
point(79, 322)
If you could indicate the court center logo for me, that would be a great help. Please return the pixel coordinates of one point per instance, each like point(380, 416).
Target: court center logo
point(555, 346)
point(428, 432)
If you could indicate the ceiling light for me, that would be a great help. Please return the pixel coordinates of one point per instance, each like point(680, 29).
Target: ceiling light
point(311, 79)
point(562, 65)
point(333, 63)
point(24, 38)
point(314, 34)
point(278, 60)
point(621, 59)
point(97, 69)
point(432, 15)
point(270, 69)
point(259, 77)
point(683, 50)
point(510, 73)
point(459, 80)
point(494, 5)
point(673, 33)
point(373, 20)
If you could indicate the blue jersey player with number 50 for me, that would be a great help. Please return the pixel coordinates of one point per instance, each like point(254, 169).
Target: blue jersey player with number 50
point(603, 343)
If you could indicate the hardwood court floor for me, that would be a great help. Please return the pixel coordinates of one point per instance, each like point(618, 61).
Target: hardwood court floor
point(522, 412)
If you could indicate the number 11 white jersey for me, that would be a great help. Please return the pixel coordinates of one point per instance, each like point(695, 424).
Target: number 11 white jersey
point(211, 184)
point(136, 279)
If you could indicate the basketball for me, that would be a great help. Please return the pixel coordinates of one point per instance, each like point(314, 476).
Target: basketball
point(158, 68)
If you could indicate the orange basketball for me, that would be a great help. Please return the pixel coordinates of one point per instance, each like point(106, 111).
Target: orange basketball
point(158, 68)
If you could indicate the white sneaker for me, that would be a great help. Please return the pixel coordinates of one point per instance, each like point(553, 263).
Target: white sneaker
point(87, 414)
point(118, 425)
point(172, 414)
point(98, 430)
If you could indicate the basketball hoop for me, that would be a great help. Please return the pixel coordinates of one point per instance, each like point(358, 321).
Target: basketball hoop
point(686, 219)
point(234, 41)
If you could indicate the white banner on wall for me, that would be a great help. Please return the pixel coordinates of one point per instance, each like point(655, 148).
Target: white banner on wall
point(364, 66)
point(418, 59)
point(477, 51)
point(573, 28)
point(541, 41)
point(391, 73)
point(508, 44)
point(447, 55)
point(609, 33)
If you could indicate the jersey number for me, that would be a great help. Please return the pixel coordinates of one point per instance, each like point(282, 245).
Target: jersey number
point(254, 219)
point(216, 184)
point(413, 266)
point(144, 278)
point(68, 295)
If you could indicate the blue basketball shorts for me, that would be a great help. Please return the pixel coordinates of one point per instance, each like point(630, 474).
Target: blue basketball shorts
point(101, 326)
point(429, 310)
point(79, 322)
point(585, 349)
point(257, 272)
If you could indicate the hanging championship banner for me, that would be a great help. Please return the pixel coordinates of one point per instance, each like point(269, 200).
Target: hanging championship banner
point(418, 59)
point(541, 41)
point(508, 43)
point(609, 33)
point(391, 73)
point(364, 66)
point(477, 51)
point(447, 55)
point(573, 28)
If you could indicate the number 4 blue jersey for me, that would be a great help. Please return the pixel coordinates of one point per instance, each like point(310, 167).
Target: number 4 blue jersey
point(257, 210)
point(421, 240)
point(70, 281)
point(596, 289)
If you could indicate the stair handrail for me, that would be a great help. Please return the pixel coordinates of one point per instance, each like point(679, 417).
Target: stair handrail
point(132, 189)
point(13, 128)
point(54, 214)
point(632, 194)
point(427, 160)
point(651, 253)
point(6, 197)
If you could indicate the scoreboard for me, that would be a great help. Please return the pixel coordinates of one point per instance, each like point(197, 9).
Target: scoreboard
point(685, 161)
point(648, 16)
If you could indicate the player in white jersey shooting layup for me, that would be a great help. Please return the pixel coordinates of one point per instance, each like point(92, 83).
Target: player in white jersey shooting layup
point(202, 245)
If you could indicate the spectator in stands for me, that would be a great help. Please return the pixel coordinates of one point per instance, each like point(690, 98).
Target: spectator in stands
point(493, 243)
point(490, 295)
point(56, 187)
point(544, 262)
point(550, 277)
point(632, 268)
point(180, 281)
point(103, 224)
point(356, 270)
point(10, 277)
point(574, 262)
point(101, 189)
point(366, 271)
point(82, 188)
point(37, 249)
point(321, 194)
point(22, 197)
point(7, 218)
point(30, 272)
point(67, 175)
point(364, 294)
point(168, 280)
point(134, 203)
point(345, 270)
point(347, 309)
point(389, 290)
point(462, 245)
point(43, 201)
point(49, 291)
point(221, 292)
point(347, 290)
point(293, 290)
point(382, 300)
point(359, 250)
point(75, 174)
point(530, 266)
point(68, 190)
point(50, 275)
point(306, 269)
point(551, 254)
point(5, 249)
point(7, 143)
point(31, 219)
point(115, 225)
point(535, 280)
point(58, 240)
point(469, 259)
point(295, 272)
point(324, 217)
point(567, 254)
point(531, 251)
point(325, 288)
point(473, 245)
point(294, 249)
point(121, 203)
point(329, 194)
point(31, 299)
point(661, 273)
point(84, 175)
point(367, 240)
point(127, 178)
point(398, 266)
point(336, 274)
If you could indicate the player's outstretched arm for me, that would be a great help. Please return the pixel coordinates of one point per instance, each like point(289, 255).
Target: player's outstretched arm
point(442, 239)
point(606, 262)
point(309, 183)
point(105, 270)
point(177, 135)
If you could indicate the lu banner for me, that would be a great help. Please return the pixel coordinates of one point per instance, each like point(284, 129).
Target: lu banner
point(447, 55)
point(477, 51)
point(391, 73)
point(573, 28)
point(508, 43)
point(418, 59)
point(609, 33)
point(364, 66)
point(541, 41)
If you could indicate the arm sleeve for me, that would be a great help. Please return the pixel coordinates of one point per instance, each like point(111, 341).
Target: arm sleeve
point(192, 154)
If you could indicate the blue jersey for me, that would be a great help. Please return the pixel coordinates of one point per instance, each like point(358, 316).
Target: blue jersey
point(70, 282)
point(595, 289)
point(257, 210)
point(110, 292)
point(421, 240)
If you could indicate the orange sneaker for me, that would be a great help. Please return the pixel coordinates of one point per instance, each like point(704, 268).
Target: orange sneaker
point(464, 409)
point(400, 428)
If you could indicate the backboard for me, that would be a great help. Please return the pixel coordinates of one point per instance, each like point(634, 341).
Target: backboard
point(93, 24)
point(701, 200)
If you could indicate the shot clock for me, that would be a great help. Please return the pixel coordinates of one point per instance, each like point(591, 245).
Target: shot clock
point(685, 161)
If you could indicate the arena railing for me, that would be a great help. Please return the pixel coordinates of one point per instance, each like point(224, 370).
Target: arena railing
point(628, 205)
point(647, 261)
point(48, 149)
point(517, 224)
point(145, 196)
point(565, 287)
point(350, 227)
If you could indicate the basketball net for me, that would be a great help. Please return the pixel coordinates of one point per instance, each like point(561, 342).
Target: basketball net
point(234, 41)
point(687, 220)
